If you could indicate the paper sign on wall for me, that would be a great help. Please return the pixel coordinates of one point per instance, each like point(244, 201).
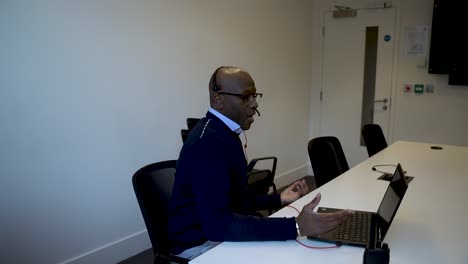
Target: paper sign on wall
point(417, 40)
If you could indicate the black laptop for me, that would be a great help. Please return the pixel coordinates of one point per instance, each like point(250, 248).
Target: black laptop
point(365, 228)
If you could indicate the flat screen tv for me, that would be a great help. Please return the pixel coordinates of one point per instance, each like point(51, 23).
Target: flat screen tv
point(448, 49)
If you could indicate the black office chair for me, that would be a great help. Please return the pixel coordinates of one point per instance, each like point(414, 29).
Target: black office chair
point(153, 188)
point(184, 134)
point(261, 180)
point(192, 122)
point(327, 159)
point(373, 138)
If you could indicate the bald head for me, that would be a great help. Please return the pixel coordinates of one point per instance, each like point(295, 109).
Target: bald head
point(229, 79)
point(227, 86)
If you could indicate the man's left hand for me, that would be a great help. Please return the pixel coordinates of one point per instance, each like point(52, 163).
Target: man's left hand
point(294, 192)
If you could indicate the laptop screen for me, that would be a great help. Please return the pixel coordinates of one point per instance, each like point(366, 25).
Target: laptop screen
point(391, 200)
point(389, 205)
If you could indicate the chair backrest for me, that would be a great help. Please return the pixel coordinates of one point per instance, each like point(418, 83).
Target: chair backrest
point(153, 188)
point(327, 159)
point(184, 134)
point(373, 138)
point(192, 122)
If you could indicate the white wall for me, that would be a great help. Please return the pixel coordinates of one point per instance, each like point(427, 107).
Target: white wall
point(90, 91)
point(436, 118)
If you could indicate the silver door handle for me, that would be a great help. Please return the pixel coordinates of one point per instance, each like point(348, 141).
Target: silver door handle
point(385, 100)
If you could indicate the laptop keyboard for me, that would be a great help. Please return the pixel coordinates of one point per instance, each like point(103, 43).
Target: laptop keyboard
point(356, 228)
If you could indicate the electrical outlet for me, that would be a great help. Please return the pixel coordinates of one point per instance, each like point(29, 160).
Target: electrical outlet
point(429, 88)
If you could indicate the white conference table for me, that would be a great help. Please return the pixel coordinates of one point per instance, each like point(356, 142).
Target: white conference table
point(430, 225)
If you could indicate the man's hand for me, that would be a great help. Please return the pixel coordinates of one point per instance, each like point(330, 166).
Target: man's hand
point(294, 192)
point(312, 223)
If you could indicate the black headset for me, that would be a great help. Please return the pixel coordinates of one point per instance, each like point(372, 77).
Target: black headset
point(215, 86)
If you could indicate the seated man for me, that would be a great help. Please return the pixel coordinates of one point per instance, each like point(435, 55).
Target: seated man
point(210, 203)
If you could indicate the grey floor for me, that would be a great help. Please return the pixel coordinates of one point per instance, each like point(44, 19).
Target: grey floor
point(146, 257)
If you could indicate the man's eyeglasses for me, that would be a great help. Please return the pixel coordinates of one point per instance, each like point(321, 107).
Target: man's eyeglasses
point(245, 97)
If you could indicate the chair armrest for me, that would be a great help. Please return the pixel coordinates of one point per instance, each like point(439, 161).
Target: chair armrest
point(253, 162)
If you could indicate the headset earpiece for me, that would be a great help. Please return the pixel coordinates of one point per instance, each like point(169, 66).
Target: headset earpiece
point(215, 87)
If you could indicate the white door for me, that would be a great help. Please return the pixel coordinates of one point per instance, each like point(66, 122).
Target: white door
point(344, 57)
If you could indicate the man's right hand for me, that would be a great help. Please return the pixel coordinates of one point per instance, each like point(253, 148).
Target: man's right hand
point(312, 223)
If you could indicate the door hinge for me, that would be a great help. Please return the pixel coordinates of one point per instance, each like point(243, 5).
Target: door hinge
point(323, 31)
point(321, 96)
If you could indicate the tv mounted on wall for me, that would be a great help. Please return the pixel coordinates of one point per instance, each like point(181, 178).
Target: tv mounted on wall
point(449, 50)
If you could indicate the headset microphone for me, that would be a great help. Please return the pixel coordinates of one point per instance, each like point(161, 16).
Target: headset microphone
point(258, 113)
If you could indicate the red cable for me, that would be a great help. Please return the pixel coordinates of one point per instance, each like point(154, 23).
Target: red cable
point(307, 246)
point(294, 208)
